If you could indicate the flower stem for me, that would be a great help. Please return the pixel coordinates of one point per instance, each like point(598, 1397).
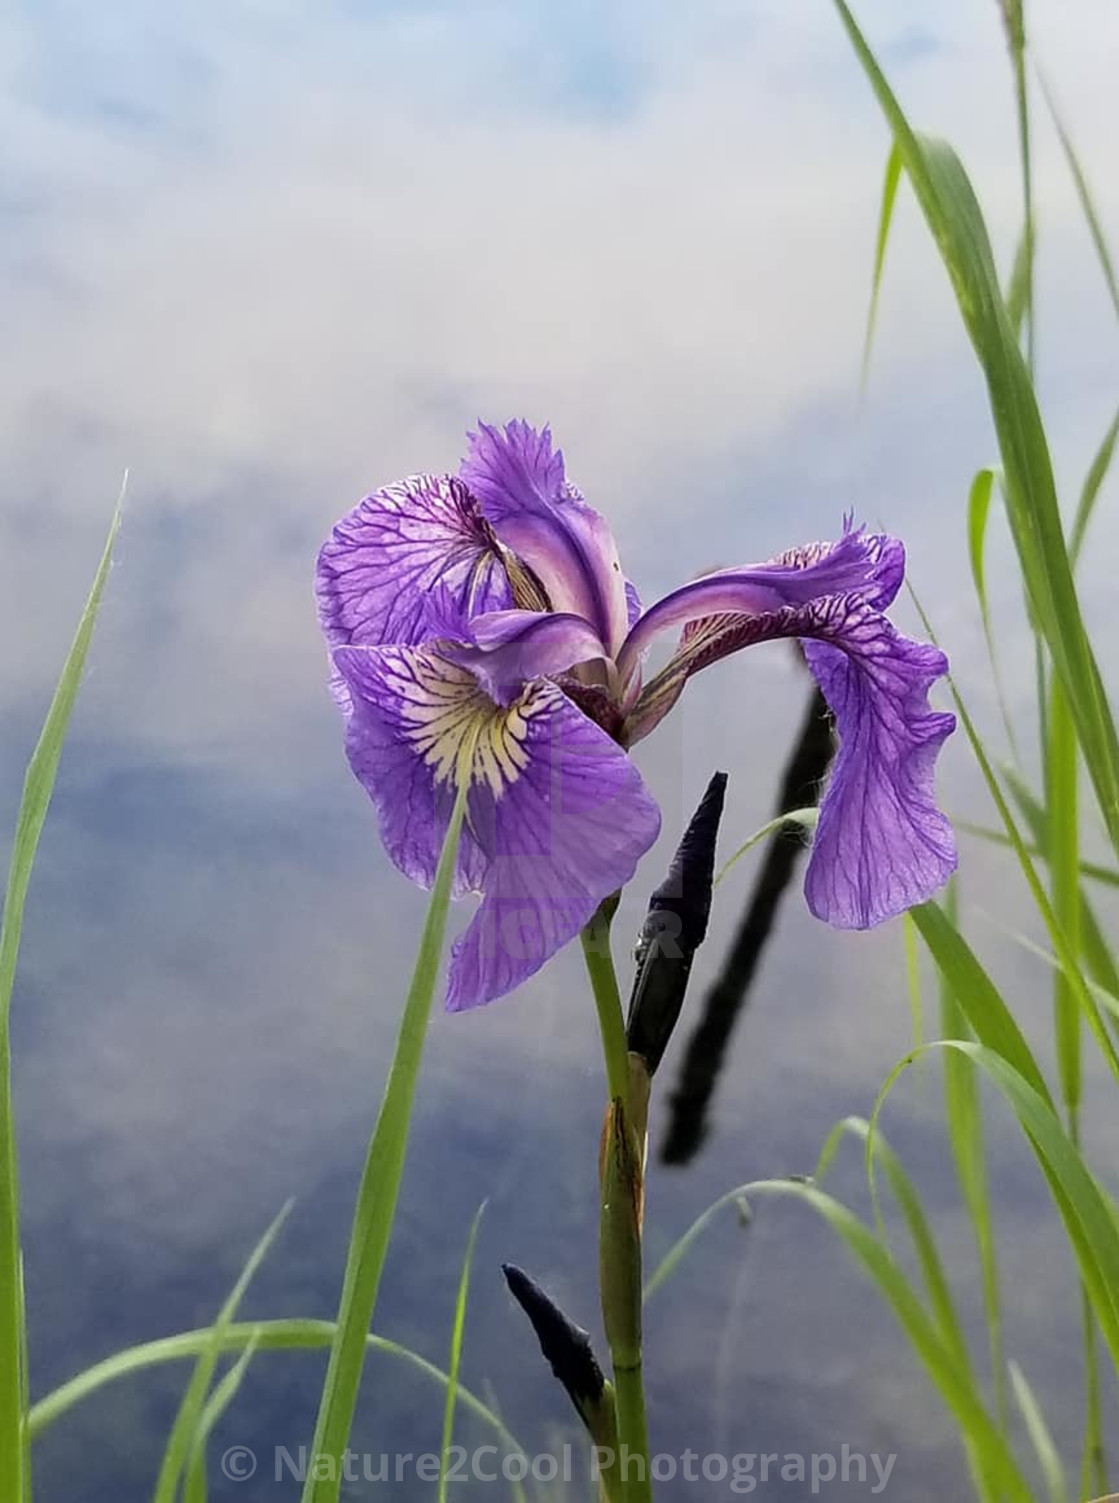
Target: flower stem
point(608, 1001)
point(620, 1225)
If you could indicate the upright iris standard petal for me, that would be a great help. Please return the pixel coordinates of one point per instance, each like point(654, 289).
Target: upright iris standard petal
point(557, 815)
point(519, 479)
point(881, 843)
point(383, 565)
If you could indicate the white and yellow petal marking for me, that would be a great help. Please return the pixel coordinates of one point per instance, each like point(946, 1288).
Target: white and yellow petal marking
point(454, 725)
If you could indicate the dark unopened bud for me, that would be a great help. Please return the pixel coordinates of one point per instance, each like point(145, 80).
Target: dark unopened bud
point(674, 928)
point(567, 1348)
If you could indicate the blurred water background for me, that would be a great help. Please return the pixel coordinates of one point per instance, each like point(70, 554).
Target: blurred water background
point(271, 255)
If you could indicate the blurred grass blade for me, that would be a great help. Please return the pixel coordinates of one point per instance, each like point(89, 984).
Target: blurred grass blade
point(1085, 999)
point(993, 1457)
point(978, 512)
point(1018, 292)
point(890, 181)
point(194, 1487)
point(1048, 1460)
point(1084, 193)
point(188, 1419)
point(913, 980)
point(1089, 1219)
point(1106, 875)
point(380, 1185)
point(964, 1118)
point(267, 1336)
point(455, 1357)
point(805, 818)
point(1093, 481)
point(956, 221)
point(38, 786)
point(1063, 850)
point(1020, 299)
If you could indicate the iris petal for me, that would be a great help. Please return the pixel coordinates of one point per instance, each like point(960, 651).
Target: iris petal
point(384, 563)
point(557, 815)
point(512, 647)
point(881, 843)
point(519, 479)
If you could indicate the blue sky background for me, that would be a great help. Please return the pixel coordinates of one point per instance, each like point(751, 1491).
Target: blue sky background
point(269, 256)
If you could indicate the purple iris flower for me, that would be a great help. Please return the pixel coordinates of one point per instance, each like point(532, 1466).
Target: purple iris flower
point(482, 632)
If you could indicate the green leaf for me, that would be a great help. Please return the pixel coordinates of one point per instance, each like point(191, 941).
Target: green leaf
point(38, 785)
point(380, 1185)
point(191, 1407)
point(457, 1329)
point(1063, 849)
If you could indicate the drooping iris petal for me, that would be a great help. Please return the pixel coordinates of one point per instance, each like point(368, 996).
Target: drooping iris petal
point(519, 479)
point(512, 647)
point(881, 843)
point(872, 563)
point(557, 815)
point(380, 571)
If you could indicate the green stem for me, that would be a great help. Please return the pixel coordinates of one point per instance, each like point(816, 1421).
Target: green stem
point(620, 1246)
point(608, 1001)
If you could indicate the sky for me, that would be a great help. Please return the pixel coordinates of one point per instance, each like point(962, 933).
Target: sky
point(267, 257)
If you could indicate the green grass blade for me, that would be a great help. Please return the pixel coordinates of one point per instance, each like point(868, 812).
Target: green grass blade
point(940, 1361)
point(1063, 849)
point(188, 1419)
point(455, 1357)
point(1084, 193)
point(1048, 1459)
point(880, 1155)
point(1014, 20)
point(956, 222)
point(913, 980)
point(805, 818)
point(1018, 292)
point(1105, 875)
point(1093, 482)
point(890, 180)
point(268, 1336)
point(38, 786)
point(976, 995)
point(1082, 991)
point(1085, 1210)
point(964, 1119)
point(978, 512)
point(380, 1185)
point(194, 1486)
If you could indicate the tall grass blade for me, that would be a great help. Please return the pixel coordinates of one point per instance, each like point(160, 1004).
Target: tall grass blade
point(1084, 193)
point(940, 1361)
point(956, 221)
point(455, 1357)
point(964, 1119)
point(380, 1185)
point(890, 181)
point(194, 1486)
point(1093, 482)
point(978, 512)
point(187, 1420)
point(38, 786)
point(1046, 1452)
